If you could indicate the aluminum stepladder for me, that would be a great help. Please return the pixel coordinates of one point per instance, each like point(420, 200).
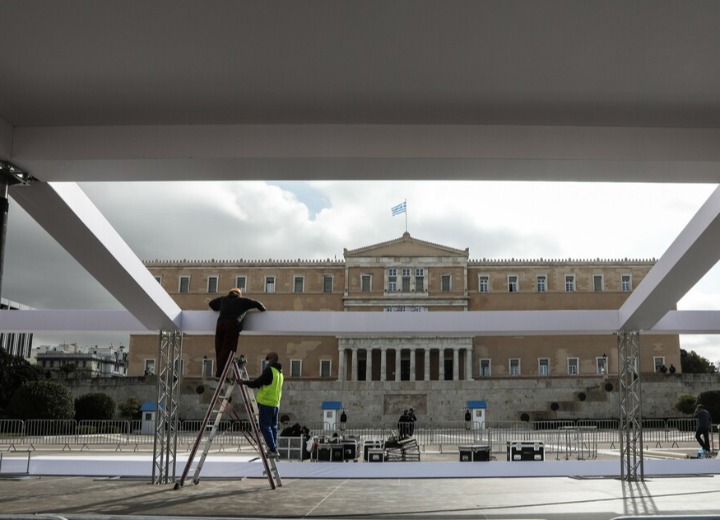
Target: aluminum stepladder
point(234, 372)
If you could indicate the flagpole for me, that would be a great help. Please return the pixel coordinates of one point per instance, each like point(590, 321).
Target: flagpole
point(405, 215)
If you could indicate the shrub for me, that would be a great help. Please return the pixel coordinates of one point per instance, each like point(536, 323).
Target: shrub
point(130, 409)
point(94, 407)
point(686, 404)
point(42, 400)
point(14, 371)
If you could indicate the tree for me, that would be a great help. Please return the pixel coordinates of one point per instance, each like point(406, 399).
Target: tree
point(94, 407)
point(711, 401)
point(686, 404)
point(14, 371)
point(693, 363)
point(67, 369)
point(130, 409)
point(42, 400)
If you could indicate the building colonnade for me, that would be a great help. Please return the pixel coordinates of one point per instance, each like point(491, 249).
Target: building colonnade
point(404, 359)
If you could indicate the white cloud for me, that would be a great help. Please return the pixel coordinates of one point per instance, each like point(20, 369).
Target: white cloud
point(308, 220)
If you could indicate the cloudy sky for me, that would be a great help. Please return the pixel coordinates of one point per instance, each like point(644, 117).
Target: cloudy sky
point(313, 220)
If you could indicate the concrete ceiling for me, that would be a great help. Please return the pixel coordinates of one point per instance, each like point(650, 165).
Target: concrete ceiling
point(648, 63)
point(493, 90)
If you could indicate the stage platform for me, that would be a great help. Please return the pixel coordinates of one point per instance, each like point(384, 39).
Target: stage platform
point(239, 466)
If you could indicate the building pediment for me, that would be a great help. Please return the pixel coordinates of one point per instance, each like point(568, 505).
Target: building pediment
point(405, 246)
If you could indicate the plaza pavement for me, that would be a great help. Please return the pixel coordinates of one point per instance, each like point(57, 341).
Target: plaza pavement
point(82, 497)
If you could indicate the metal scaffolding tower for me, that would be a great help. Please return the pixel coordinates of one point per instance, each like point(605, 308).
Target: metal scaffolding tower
point(631, 445)
point(169, 375)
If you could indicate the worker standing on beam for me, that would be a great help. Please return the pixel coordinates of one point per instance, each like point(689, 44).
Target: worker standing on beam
point(232, 309)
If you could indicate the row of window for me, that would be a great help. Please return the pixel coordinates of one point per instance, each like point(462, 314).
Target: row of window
point(208, 367)
point(541, 283)
point(405, 280)
point(241, 283)
point(52, 363)
point(407, 283)
point(94, 367)
point(543, 367)
point(572, 366)
point(409, 280)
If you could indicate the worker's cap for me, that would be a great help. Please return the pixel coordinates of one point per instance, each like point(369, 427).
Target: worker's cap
point(235, 290)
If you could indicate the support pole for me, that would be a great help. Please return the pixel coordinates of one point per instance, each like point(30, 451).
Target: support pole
point(4, 205)
point(631, 445)
point(169, 379)
point(9, 175)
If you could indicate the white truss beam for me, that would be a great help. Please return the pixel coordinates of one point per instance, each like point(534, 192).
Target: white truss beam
point(308, 323)
point(69, 216)
point(691, 255)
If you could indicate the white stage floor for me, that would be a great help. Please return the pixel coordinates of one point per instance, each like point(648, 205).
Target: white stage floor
point(227, 466)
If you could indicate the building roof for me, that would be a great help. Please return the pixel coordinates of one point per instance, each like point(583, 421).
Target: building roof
point(405, 246)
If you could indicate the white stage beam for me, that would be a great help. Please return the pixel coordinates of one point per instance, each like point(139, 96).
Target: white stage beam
point(55, 320)
point(309, 323)
point(691, 255)
point(69, 216)
point(412, 324)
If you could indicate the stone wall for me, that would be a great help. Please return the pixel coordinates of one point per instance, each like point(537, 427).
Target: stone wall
point(436, 402)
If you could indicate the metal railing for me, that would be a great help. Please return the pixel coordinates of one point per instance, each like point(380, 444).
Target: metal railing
point(565, 439)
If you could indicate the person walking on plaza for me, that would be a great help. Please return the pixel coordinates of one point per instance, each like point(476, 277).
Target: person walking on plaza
point(404, 425)
point(232, 309)
point(343, 420)
point(270, 383)
point(413, 420)
point(703, 428)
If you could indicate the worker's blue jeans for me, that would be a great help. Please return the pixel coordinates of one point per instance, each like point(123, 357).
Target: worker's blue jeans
point(268, 419)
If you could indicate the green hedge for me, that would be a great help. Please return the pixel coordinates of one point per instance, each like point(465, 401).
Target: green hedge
point(94, 407)
point(42, 400)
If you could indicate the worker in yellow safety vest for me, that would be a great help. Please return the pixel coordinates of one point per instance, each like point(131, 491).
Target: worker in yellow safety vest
point(270, 383)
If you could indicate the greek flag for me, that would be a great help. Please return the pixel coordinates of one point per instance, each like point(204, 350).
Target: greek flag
point(400, 208)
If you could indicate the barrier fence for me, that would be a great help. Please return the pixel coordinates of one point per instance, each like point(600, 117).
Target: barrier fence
point(564, 439)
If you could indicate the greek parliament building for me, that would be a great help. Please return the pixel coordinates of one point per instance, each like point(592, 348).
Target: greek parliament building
point(411, 275)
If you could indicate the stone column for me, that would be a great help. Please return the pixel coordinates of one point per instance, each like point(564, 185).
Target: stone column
point(397, 364)
point(427, 364)
point(341, 364)
point(468, 364)
point(456, 363)
point(413, 376)
point(441, 364)
point(354, 363)
point(368, 364)
point(383, 363)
